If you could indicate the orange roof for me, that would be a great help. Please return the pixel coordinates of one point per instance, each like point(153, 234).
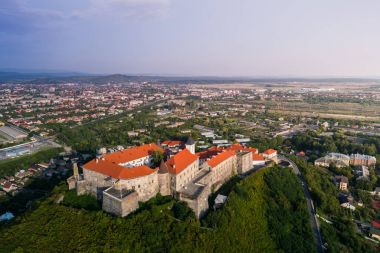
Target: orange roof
point(270, 151)
point(172, 143)
point(216, 160)
point(238, 147)
point(180, 161)
point(209, 153)
point(235, 147)
point(253, 150)
point(113, 170)
point(215, 148)
point(258, 157)
point(131, 154)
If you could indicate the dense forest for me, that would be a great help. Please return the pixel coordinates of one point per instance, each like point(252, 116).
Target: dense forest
point(265, 212)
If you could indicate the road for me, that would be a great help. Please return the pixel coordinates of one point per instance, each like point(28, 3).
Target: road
point(310, 205)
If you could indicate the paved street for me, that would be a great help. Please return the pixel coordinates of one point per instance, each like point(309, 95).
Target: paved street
point(310, 205)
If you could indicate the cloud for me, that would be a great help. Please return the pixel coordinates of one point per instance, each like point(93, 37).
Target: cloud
point(122, 9)
point(16, 17)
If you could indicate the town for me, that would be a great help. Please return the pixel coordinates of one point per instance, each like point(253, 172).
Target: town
point(125, 143)
point(189, 126)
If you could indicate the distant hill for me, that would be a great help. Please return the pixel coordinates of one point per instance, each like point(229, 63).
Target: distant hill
point(12, 76)
point(65, 77)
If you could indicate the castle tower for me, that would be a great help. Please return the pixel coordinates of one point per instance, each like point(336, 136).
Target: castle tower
point(190, 145)
point(164, 179)
point(75, 171)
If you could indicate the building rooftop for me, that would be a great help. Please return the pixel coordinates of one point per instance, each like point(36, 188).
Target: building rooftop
point(180, 161)
point(118, 193)
point(258, 157)
point(219, 158)
point(192, 190)
point(341, 179)
point(113, 170)
point(131, 154)
point(190, 141)
point(269, 151)
point(172, 143)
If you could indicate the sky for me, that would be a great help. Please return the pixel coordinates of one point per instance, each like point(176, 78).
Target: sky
point(272, 38)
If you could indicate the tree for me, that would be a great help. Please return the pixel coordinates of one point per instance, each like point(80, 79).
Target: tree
point(157, 157)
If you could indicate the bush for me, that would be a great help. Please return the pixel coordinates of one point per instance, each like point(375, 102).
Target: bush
point(182, 211)
point(87, 202)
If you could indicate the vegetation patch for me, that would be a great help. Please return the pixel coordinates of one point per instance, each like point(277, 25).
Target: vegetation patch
point(87, 202)
point(165, 225)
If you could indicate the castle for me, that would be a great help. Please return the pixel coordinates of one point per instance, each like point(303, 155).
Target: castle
point(123, 179)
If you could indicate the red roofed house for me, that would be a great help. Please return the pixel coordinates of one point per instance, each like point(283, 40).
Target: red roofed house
point(176, 146)
point(8, 187)
point(375, 230)
point(270, 154)
point(258, 159)
point(173, 146)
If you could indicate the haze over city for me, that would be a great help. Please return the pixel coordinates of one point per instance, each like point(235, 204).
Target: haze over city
point(176, 37)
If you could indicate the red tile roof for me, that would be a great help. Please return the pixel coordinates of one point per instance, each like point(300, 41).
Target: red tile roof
point(258, 157)
point(375, 224)
point(180, 161)
point(235, 147)
point(7, 185)
point(301, 153)
point(131, 154)
point(109, 164)
point(173, 143)
point(113, 170)
point(208, 153)
point(269, 151)
point(216, 160)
